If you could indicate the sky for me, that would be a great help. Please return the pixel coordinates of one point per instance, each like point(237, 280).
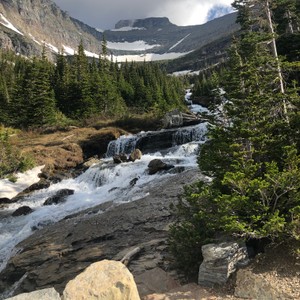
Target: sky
point(104, 14)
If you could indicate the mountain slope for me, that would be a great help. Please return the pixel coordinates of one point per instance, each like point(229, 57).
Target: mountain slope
point(25, 26)
point(40, 22)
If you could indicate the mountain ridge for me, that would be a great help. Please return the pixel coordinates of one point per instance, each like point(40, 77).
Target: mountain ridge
point(26, 26)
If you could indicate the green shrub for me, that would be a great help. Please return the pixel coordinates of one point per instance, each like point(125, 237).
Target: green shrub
point(254, 200)
point(11, 159)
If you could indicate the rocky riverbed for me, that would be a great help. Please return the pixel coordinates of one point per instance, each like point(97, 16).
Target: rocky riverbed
point(54, 255)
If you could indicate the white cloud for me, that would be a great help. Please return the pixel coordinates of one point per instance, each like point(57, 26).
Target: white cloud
point(105, 13)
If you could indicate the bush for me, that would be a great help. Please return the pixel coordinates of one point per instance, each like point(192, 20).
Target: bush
point(11, 159)
point(254, 200)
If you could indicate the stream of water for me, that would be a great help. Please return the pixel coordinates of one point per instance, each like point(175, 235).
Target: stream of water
point(100, 183)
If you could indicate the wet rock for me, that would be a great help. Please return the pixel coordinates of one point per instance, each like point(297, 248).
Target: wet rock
point(42, 184)
point(55, 254)
point(177, 170)
point(120, 158)
point(45, 294)
point(4, 200)
point(97, 143)
point(22, 211)
point(59, 197)
point(157, 165)
point(133, 181)
point(220, 261)
point(135, 154)
point(103, 280)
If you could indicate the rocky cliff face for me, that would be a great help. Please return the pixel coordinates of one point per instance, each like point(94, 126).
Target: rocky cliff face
point(26, 26)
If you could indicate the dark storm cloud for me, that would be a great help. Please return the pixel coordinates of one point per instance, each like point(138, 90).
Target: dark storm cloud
point(105, 13)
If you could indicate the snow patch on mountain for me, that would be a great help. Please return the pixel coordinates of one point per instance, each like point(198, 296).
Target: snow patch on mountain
point(128, 28)
point(9, 25)
point(130, 46)
point(51, 47)
point(186, 72)
point(34, 39)
point(179, 42)
point(68, 50)
point(91, 54)
point(148, 57)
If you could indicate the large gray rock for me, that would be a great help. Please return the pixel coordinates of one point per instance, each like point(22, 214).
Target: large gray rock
point(45, 294)
point(103, 280)
point(219, 262)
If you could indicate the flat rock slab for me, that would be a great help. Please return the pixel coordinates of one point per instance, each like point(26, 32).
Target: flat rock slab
point(56, 254)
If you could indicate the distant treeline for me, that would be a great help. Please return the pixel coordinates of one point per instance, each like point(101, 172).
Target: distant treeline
point(35, 92)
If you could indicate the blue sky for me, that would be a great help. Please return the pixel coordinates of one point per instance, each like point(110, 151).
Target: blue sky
point(104, 14)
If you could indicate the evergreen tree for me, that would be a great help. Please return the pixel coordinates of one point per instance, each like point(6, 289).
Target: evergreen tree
point(253, 155)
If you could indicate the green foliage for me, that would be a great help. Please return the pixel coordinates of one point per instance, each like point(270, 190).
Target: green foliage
point(11, 160)
point(193, 228)
point(253, 152)
point(38, 93)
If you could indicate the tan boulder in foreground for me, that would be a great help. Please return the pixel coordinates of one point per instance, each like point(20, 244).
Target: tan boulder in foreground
point(104, 280)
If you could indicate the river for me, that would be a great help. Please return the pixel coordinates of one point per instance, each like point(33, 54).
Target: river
point(100, 183)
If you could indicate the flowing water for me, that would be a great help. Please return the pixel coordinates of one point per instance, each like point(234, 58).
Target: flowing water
point(100, 183)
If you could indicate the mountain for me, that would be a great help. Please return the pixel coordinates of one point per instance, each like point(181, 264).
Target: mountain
point(26, 25)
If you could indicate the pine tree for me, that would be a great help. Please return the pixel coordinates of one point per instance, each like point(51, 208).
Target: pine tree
point(253, 156)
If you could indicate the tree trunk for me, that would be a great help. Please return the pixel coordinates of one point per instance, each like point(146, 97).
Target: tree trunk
point(275, 53)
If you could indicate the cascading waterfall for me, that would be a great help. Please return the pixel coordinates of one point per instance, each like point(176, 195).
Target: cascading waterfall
point(188, 134)
point(127, 143)
point(124, 144)
point(100, 183)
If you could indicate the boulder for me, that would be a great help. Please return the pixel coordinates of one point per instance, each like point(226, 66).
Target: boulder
point(220, 261)
point(4, 200)
point(135, 154)
point(59, 197)
point(120, 158)
point(22, 211)
point(103, 280)
point(45, 294)
point(177, 118)
point(254, 286)
point(157, 165)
